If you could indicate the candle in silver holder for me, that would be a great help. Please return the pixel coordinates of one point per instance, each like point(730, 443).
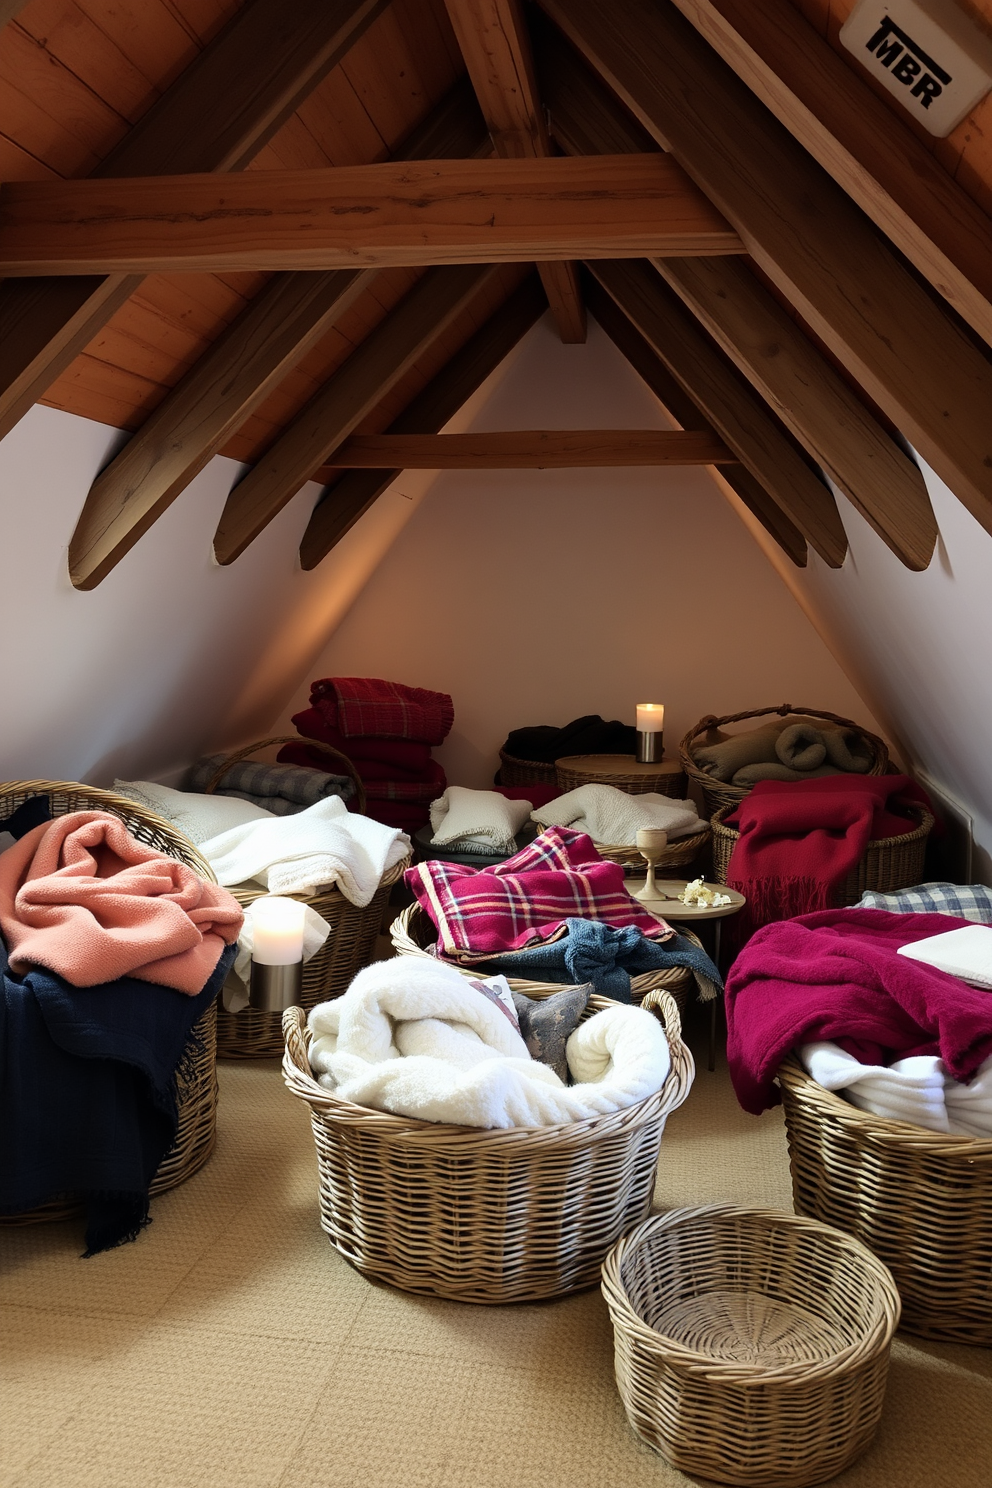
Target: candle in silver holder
point(650, 733)
point(273, 989)
point(277, 953)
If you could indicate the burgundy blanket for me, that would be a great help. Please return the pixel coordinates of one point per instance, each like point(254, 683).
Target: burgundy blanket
point(836, 975)
point(403, 754)
point(388, 710)
point(799, 840)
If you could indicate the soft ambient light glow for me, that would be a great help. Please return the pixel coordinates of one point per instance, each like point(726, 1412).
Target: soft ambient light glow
point(277, 931)
point(650, 718)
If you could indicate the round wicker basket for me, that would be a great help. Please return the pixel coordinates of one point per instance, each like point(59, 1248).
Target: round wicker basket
point(513, 771)
point(887, 864)
point(921, 1201)
point(196, 1090)
point(412, 932)
point(751, 1346)
point(622, 771)
point(484, 1216)
point(678, 854)
point(718, 793)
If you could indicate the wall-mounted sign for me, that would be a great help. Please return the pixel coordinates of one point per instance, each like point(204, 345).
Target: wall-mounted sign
point(927, 53)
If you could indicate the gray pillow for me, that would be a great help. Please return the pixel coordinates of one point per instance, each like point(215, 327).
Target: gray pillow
point(547, 1022)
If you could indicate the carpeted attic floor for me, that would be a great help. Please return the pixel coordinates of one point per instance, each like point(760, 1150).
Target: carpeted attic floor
point(232, 1348)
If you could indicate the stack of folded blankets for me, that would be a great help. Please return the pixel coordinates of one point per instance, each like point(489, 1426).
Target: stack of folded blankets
point(387, 730)
point(793, 749)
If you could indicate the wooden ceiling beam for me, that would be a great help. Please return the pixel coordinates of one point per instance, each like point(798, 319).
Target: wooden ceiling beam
point(411, 213)
point(677, 403)
point(352, 495)
point(215, 117)
point(532, 449)
point(492, 36)
point(869, 150)
point(9, 9)
point(899, 341)
point(806, 392)
point(233, 376)
point(344, 400)
point(735, 410)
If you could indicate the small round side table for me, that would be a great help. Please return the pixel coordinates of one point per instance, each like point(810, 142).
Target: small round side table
point(622, 770)
point(671, 908)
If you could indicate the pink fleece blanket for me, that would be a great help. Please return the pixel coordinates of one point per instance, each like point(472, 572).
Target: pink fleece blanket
point(835, 975)
point(81, 897)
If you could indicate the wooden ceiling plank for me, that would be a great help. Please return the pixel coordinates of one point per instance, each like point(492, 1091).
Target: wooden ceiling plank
point(331, 415)
point(856, 136)
point(492, 35)
point(9, 9)
point(532, 449)
point(218, 114)
point(732, 406)
point(781, 363)
point(899, 341)
point(412, 213)
point(676, 401)
point(350, 498)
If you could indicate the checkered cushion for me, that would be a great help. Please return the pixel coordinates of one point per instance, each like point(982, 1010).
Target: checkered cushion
point(963, 901)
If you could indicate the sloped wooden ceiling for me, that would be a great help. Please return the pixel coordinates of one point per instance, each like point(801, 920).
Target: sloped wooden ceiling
point(801, 359)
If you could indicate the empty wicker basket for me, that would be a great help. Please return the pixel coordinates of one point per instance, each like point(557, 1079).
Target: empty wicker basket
point(513, 771)
point(888, 864)
point(196, 1091)
point(484, 1216)
point(719, 794)
point(751, 1346)
point(921, 1201)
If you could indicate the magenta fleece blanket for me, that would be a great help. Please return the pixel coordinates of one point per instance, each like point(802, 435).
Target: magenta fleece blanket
point(836, 975)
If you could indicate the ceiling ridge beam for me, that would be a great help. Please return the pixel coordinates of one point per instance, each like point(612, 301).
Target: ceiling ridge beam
point(899, 341)
point(495, 45)
point(461, 376)
point(333, 412)
point(533, 449)
point(216, 116)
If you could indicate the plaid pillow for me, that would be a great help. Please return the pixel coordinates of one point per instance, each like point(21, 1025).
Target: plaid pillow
point(964, 901)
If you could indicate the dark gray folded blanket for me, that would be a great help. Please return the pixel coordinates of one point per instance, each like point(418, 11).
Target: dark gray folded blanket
point(269, 785)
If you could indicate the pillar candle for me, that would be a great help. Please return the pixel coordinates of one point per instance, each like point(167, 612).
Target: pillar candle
point(650, 718)
point(277, 927)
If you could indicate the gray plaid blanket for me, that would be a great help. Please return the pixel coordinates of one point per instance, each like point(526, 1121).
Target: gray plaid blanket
point(964, 901)
point(281, 789)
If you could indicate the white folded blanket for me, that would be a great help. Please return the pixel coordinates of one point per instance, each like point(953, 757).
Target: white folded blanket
point(417, 1038)
point(483, 821)
point(612, 816)
point(918, 1089)
point(325, 844)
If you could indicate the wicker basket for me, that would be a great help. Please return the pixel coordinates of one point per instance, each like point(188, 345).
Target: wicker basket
point(718, 794)
point(921, 1201)
point(412, 932)
point(196, 1090)
point(678, 854)
point(253, 1034)
point(888, 864)
point(622, 771)
point(513, 771)
point(484, 1216)
point(751, 1346)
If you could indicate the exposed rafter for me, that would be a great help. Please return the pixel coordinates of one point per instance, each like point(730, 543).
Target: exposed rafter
point(216, 117)
point(677, 403)
point(729, 402)
point(9, 9)
point(492, 35)
point(780, 362)
point(436, 212)
point(274, 331)
point(353, 391)
point(897, 339)
point(532, 449)
point(352, 495)
point(865, 146)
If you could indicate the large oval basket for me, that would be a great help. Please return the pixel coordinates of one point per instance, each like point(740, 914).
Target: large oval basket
point(484, 1216)
point(196, 1092)
point(921, 1201)
point(751, 1346)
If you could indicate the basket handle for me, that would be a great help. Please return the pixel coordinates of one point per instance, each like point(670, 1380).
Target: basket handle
point(294, 1032)
point(249, 749)
point(664, 1007)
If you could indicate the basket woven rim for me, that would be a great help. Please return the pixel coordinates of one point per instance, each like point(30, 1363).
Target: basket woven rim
point(246, 896)
point(695, 841)
point(881, 1129)
point(922, 830)
point(518, 759)
point(694, 1362)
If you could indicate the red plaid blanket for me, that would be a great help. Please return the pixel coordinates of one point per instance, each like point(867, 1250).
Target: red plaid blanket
point(431, 784)
point(526, 899)
point(388, 710)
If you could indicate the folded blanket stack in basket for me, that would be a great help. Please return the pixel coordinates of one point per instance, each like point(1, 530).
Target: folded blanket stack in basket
point(387, 730)
point(793, 748)
point(614, 817)
point(589, 734)
point(282, 789)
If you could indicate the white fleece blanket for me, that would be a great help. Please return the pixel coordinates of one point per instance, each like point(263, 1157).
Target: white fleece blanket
point(918, 1089)
point(417, 1038)
point(325, 844)
point(612, 816)
point(483, 821)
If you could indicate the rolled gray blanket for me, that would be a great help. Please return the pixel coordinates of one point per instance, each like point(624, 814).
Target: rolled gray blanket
point(774, 770)
point(722, 761)
point(849, 750)
point(801, 747)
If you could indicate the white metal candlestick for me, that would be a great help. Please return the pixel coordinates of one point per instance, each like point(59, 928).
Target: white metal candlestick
point(651, 844)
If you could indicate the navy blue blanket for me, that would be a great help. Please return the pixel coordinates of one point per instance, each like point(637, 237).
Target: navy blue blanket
point(606, 956)
point(87, 1092)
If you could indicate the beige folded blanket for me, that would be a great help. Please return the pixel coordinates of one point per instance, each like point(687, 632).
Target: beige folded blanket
point(754, 747)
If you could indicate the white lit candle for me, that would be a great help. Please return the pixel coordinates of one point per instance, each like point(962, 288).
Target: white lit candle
point(277, 930)
point(650, 718)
